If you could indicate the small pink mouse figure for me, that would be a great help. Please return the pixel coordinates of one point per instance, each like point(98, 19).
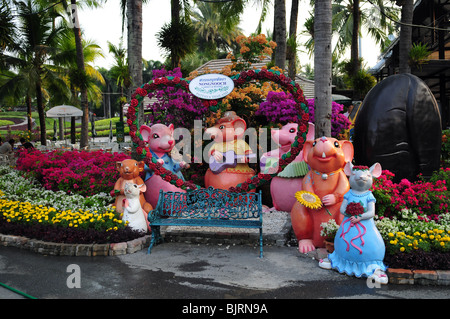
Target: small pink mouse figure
point(284, 186)
point(160, 140)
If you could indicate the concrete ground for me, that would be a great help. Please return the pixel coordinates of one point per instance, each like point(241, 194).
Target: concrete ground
point(186, 271)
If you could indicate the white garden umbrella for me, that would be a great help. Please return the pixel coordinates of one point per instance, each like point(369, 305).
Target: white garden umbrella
point(64, 111)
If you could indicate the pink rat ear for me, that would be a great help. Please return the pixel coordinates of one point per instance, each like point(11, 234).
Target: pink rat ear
point(143, 188)
point(348, 168)
point(376, 170)
point(239, 127)
point(145, 132)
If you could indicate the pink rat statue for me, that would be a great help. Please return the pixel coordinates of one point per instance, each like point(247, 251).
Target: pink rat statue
point(160, 142)
point(326, 157)
point(229, 153)
point(284, 186)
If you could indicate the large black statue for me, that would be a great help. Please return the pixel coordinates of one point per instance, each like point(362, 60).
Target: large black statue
point(399, 126)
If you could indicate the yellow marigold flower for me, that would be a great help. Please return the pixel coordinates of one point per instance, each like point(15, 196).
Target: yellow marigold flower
point(402, 249)
point(391, 235)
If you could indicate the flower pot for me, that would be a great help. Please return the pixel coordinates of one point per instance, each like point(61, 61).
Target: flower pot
point(329, 246)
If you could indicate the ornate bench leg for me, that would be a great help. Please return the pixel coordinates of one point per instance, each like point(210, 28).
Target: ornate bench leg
point(156, 237)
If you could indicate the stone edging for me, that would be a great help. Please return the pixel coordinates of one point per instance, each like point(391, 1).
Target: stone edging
point(402, 276)
point(419, 277)
point(61, 249)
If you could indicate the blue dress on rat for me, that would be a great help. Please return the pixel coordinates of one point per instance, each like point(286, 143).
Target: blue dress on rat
point(358, 249)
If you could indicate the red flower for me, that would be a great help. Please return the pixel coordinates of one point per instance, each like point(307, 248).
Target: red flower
point(134, 102)
point(305, 117)
point(302, 128)
point(179, 182)
point(141, 92)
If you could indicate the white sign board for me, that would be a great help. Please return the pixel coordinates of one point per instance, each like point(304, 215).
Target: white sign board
point(211, 86)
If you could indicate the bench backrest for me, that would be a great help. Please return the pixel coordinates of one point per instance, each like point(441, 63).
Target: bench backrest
point(210, 203)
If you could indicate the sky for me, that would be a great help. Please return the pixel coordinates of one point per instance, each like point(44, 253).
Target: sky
point(105, 24)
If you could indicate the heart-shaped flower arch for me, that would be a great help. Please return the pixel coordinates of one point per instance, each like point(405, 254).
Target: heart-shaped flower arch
point(144, 153)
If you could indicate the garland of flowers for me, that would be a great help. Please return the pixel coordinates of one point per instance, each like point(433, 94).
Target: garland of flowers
point(272, 75)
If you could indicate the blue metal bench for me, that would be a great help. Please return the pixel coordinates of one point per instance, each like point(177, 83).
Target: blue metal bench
point(206, 207)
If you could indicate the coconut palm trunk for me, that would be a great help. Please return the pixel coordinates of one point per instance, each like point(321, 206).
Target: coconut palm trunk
point(134, 23)
point(405, 35)
point(292, 49)
point(280, 32)
point(84, 138)
point(355, 39)
point(40, 108)
point(322, 67)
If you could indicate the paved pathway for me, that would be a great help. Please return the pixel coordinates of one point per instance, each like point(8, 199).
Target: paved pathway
point(185, 271)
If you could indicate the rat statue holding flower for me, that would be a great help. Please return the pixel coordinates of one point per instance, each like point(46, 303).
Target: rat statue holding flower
point(327, 157)
point(358, 246)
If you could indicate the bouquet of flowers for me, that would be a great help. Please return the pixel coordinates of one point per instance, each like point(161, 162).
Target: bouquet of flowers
point(354, 209)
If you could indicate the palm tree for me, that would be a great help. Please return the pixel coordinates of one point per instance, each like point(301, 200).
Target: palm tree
point(7, 27)
point(322, 67)
point(279, 32)
point(177, 38)
point(405, 34)
point(38, 38)
point(134, 38)
point(292, 41)
point(71, 10)
point(120, 72)
point(350, 16)
point(215, 31)
point(66, 58)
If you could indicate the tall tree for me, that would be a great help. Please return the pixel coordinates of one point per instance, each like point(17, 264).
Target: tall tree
point(405, 34)
point(279, 32)
point(120, 72)
point(350, 17)
point(66, 58)
point(38, 37)
point(134, 23)
point(80, 77)
point(292, 40)
point(216, 32)
point(322, 67)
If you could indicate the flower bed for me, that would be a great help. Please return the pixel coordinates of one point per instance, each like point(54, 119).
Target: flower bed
point(413, 220)
point(27, 209)
point(73, 172)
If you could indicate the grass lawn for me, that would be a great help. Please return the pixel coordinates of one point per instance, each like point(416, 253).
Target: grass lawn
point(101, 126)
